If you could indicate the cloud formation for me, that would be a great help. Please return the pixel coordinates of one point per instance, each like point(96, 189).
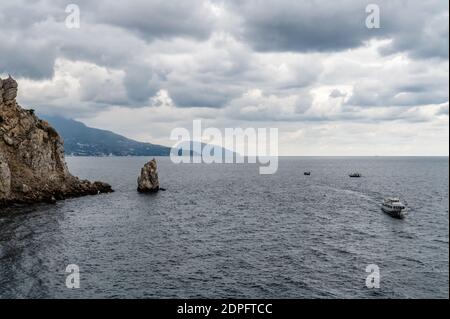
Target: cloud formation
point(283, 63)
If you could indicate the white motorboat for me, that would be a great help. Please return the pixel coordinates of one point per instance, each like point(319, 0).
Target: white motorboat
point(394, 207)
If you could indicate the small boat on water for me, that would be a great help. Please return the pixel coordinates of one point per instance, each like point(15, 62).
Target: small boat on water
point(307, 173)
point(394, 207)
point(356, 174)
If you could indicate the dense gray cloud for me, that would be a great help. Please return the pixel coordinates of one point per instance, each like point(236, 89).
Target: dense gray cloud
point(111, 33)
point(159, 18)
point(443, 110)
point(411, 88)
point(424, 34)
point(418, 27)
point(141, 83)
point(284, 60)
point(26, 57)
point(199, 95)
point(337, 94)
point(304, 26)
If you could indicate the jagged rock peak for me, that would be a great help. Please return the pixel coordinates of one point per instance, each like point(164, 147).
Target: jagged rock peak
point(148, 182)
point(8, 90)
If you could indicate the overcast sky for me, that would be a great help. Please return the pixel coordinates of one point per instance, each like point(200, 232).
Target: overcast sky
point(310, 68)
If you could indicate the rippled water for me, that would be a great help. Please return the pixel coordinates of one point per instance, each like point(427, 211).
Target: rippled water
point(226, 231)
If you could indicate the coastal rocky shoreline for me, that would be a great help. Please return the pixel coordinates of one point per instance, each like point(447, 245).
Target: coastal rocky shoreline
point(32, 164)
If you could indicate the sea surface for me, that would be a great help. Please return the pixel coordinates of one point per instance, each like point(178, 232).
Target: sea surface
point(223, 230)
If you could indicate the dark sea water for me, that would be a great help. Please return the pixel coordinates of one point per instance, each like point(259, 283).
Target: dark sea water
point(226, 231)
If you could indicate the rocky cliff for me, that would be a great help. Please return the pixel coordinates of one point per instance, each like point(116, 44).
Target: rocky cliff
point(32, 165)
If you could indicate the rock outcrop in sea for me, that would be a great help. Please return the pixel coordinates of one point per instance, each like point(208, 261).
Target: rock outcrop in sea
point(32, 165)
point(148, 182)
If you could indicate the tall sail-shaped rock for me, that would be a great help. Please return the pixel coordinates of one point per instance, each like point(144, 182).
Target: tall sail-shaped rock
point(148, 182)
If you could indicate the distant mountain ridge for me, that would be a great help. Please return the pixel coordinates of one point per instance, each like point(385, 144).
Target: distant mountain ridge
point(81, 140)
